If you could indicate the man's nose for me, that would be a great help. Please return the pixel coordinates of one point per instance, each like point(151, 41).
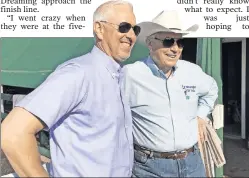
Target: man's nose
point(131, 34)
point(174, 47)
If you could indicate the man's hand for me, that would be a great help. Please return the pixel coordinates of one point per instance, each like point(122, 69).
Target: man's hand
point(201, 129)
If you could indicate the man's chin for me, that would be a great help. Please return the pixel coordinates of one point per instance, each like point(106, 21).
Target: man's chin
point(123, 58)
point(172, 63)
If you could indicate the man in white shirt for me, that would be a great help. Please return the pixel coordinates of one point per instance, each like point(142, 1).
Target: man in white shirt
point(167, 97)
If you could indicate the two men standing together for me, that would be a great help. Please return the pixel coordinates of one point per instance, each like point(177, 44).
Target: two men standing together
point(111, 121)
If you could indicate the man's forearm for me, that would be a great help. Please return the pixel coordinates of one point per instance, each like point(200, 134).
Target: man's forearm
point(24, 157)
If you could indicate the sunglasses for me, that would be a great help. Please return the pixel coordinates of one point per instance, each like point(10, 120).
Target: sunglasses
point(169, 42)
point(124, 27)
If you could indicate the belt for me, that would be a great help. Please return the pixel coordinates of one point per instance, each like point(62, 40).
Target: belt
point(166, 155)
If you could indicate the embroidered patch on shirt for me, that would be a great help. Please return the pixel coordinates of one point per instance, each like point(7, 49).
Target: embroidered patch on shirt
point(188, 89)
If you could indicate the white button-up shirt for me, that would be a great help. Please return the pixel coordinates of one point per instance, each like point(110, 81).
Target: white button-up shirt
point(165, 110)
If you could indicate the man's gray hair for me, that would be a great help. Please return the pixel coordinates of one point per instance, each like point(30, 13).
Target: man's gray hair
point(106, 9)
point(149, 38)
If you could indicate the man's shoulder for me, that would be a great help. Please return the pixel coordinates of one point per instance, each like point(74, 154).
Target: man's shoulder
point(82, 61)
point(186, 65)
point(77, 68)
point(136, 67)
point(194, 70)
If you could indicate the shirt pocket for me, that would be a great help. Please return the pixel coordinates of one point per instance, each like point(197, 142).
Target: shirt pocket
point(191, 103)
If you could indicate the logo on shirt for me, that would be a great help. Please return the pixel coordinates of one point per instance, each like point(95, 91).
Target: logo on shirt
point(188, 89)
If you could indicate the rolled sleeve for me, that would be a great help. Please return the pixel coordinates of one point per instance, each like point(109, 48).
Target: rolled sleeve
point(207, 96)
point(59, 94)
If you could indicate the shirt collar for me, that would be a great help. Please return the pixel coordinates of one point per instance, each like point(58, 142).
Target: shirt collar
point(155, 70)
point(103, 59)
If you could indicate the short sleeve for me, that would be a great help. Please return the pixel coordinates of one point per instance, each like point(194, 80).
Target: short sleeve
point(57, 96)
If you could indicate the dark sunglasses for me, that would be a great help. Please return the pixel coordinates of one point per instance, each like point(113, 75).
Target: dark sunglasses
point(169, 42)
point(124, 27)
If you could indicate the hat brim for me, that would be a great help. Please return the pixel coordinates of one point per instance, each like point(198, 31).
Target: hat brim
point(149, 28)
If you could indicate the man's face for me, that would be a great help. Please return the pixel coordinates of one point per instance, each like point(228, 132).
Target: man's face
point(119, 44)
point(165, 56)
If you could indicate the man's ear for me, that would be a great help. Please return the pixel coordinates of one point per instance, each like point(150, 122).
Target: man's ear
point(98, 29)
point(149, 45)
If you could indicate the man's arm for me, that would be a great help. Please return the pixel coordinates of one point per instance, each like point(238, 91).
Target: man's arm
point(19, 144)
point(208, 94)
point(44, 107)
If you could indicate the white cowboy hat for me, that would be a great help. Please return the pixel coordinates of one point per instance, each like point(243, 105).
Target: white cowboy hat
point(166, 21)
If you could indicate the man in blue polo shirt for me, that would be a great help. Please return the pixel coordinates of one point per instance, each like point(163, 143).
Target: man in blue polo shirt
point(83, 107)
point(167, 97)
